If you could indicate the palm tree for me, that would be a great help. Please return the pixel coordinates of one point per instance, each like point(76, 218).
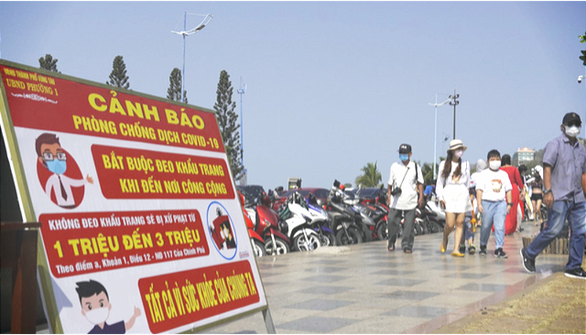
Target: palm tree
point(427, 171)
point(371, 177)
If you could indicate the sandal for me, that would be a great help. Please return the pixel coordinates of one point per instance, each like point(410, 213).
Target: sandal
point(444, 246)
point(391, 247)
point(407, 251)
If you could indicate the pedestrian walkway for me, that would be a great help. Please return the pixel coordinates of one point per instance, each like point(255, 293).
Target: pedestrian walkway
point(366, 289)
point(556, 305)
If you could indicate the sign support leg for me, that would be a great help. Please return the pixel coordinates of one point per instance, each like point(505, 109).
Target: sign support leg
point(266, 314)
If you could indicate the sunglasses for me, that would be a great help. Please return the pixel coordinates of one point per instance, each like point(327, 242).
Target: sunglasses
point(574, 123)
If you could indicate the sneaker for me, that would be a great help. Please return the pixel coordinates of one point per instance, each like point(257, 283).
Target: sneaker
point(528, 263)
point(482, 250)
point(462, 248)
point(499, 253)
point(471, 249)
point(578, 273)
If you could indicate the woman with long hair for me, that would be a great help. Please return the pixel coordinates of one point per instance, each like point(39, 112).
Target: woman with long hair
point(452, 191)
point(517, 183)
point(536, 185)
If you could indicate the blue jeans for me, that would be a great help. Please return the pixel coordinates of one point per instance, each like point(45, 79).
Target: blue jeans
point(468, 232)
point(561, 211)
point(495, 212)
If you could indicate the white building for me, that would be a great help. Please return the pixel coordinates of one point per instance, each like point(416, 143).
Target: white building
point(524, 155)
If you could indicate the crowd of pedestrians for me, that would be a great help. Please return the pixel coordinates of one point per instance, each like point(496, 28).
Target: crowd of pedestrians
point(492, 195)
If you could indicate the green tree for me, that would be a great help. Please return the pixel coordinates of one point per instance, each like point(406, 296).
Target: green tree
point(48, 63)
point(427, 171)
point(174, 90)
point(228, 123)
point(118, 77)
point(371, 177)
point(583, 57)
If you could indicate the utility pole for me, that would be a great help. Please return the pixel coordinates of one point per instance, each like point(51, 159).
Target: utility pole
point(241, 91)
point(185, 33)
point(436, 105)
point(454, 103)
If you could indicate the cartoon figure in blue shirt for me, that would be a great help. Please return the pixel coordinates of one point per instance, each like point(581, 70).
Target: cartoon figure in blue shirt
point(95, 306)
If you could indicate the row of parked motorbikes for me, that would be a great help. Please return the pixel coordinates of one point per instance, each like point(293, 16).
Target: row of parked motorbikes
point(300, 224)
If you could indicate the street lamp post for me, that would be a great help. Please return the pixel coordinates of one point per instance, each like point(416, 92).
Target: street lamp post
point(435, 135)
point(241, 91)
point(185, 33)
point(581, 80)
point(454, 102)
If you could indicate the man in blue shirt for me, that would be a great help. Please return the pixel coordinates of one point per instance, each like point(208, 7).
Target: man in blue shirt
point(564, 162)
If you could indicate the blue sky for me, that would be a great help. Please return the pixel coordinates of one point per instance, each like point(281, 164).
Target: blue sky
point(332, 86)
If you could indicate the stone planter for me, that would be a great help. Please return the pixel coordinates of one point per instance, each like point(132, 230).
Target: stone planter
point(559, 246)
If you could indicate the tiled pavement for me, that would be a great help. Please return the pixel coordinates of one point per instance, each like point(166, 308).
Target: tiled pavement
point(366, 289)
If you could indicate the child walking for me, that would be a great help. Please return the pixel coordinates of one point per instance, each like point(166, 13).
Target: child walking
point(470, 223)
point(493, 193)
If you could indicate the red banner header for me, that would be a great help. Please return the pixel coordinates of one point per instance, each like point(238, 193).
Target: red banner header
point(61, 105)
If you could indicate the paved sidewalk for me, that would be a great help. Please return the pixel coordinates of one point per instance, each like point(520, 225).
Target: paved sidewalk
point(556, 305)
point(366, 289)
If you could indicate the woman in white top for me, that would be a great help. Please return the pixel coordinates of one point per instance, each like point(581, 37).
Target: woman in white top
point(452, 191)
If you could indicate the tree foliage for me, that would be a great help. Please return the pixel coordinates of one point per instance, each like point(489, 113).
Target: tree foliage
point(583, 57)
point(371, 176)
point(427, 171)
point(228, 123)
point(48, 63)
point(174, 90)
point(118, 77)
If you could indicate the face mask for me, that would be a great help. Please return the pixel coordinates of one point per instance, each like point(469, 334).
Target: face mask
point(98, 315)
point(572, 131)
point(494, 165)
point(57, 166)
point(458, 153)
point(403, 157)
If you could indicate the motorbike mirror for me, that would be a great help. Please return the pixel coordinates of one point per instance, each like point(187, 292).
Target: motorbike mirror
point(336, 183)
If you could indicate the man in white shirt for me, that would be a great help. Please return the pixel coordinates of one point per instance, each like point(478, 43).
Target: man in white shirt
point(405, 185)
point(493, 193)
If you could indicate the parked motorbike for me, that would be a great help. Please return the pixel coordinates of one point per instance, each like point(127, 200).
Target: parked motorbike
point(267, 225)
point(440, 214)
point(419, 226)
point(294, 212)
point(342, 217)
point(431, 220)
point(361, 218)
point(365, 222)
point(320, 222)
point(376, 208)
point(258, 244)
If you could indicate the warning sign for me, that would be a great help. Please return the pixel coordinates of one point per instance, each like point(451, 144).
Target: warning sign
point(141, 230)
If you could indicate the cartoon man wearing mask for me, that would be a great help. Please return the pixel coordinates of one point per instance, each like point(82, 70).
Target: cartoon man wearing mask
point(53, 158)
point(95, 306)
